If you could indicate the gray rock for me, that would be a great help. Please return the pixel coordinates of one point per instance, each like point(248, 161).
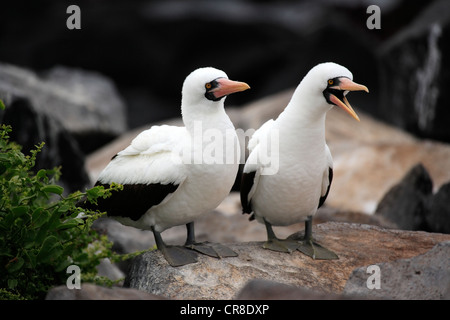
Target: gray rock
point(94, 292)
point(411, 204)
point(85, 103)
point(270, 290)
point(438, 219)
point(109, 270)
point(425, 276)
point(414, 72)
point(212, 278)
point(31, 127)
point(407, 203)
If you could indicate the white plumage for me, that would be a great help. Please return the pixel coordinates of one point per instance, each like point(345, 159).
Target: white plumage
point(300, 185)
point(165, 184)
point(150, 158)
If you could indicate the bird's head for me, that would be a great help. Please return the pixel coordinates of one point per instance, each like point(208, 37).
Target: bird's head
point(208, 86)
point(329, 83)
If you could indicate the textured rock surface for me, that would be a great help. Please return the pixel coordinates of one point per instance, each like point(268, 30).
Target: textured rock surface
point(93, 292)
point(270, 290)
point(426, 276)
point(357, 245)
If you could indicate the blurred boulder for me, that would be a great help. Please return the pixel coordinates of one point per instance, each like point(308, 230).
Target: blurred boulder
point(73, 111)
point(411, 204)
point(407, 203)
point(86, 104)
point(94, 111)
point(438, 219)
point(414, 72)
point(424, 277)
point(31, 127)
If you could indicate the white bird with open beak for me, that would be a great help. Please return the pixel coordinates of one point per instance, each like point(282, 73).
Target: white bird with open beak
point(305, 166)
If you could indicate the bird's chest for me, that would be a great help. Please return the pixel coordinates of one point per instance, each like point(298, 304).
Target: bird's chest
point(292, 193)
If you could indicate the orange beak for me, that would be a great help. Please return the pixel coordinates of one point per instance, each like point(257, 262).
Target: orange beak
point(346, 84)
point(227, 87)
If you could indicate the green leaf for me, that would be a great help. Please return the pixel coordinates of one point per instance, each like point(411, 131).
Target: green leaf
point(53, 188)
point(54, 221)
point(12, 283)
point(31, 257)
point(63, 265)
point(47, 247)
point(82, 259)
point(15, 265)
point(39, 217)
point(19, 211)
point(68, 224)
point(2, 105)
point(41, 174)
point(63, 208)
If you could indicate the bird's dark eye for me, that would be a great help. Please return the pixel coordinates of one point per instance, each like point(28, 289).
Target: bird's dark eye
point(330, 82)
point(208, 85)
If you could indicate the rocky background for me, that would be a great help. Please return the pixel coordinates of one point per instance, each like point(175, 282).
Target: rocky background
point(88, 92)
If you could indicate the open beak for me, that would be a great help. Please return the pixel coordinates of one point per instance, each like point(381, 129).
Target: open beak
point(345, 84)
point(227, 87)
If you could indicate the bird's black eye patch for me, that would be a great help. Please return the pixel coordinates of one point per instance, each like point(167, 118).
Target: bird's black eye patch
point(333, 82)
point(336, 92)
point(210, 86)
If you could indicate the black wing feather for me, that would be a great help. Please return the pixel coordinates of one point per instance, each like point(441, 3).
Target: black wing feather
point(330, 178)
point(133, 201)
point(246, 185)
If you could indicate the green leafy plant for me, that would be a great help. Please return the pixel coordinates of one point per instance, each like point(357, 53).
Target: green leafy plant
point(42, 232)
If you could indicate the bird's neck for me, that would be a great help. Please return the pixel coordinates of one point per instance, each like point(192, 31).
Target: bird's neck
point(212, 138)
point(303, 122)
point(217, 120)
point(298, 118)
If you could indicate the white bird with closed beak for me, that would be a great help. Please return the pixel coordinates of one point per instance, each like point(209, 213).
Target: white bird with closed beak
point(164, 187)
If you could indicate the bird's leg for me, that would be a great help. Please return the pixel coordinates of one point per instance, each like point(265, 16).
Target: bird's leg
point(311, 248)
point(215, 250)
point(275, 244)
point(175, 255)
point(190, 239)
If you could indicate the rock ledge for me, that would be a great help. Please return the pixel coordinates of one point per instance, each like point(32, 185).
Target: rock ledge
point(357, 245)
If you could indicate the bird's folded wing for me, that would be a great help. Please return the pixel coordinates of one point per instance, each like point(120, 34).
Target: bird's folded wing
point(150, 170)
point(152, 157)
point(154, 140)
point(260, 134)
point(327, 177)
point(253, 166)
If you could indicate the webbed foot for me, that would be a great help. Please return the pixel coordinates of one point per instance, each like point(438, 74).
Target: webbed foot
point(178, 256)
point(312, 249)
point(281, 245)
point(215, 250)
point(316, 251)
